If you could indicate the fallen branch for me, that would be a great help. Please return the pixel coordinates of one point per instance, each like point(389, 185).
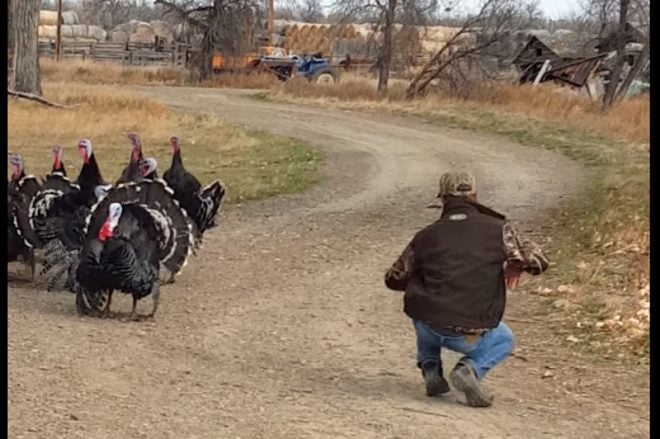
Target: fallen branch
point(32, 97)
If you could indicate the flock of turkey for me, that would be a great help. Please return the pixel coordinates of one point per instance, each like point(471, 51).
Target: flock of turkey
point(95, 238)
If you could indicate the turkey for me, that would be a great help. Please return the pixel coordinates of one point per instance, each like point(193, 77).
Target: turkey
point(201, 204)
point(148, 168)
point(58, 164)
point(136, 232)
point(58, 213)
point(21, 239)
point(132, 170)
point(27, 185)
point(90, 174)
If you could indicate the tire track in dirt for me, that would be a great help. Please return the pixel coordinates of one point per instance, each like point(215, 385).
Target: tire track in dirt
point(282, 327)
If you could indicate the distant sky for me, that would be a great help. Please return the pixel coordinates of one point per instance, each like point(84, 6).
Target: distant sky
point(551, 8)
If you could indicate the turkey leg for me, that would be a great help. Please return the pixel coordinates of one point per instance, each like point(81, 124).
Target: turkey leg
point(134, 314)
point(155, 296)
point(106, 309)
point(32, 263)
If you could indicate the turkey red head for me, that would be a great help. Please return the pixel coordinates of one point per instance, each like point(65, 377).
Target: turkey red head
point(114, 214)
point(85, 150)
point(148, 166)
point(136, 146)
point(57, 157)
point(17, 166)
point(175, 144)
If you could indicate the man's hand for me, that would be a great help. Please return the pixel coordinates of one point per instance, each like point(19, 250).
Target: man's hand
point(512, 272)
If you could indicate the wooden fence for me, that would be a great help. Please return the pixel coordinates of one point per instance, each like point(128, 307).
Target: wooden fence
point(174, 54)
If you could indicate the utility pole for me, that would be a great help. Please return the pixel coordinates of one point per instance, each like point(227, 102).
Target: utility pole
point(58, 37)
point(271, 18)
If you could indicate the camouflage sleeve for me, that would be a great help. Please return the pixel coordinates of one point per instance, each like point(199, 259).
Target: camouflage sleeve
point(398, 275)
point(520, 249)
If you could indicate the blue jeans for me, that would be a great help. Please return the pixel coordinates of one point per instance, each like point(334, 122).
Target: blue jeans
point(484, 353)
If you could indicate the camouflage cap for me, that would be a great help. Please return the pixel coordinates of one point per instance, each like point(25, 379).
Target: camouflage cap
point(455, 183)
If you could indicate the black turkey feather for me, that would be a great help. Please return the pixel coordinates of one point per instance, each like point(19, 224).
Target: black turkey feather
point(177, 177)
point(134, 236)
point(21, 239)
point(201, 204)
point(58, 216)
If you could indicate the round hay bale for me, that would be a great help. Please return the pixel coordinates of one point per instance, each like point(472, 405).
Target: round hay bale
point(162, 30)
point(144, 31)
point(48, 18)
point(69, 17)
point(47, 31)
point(96, 32)
point(119, 36)
point(67, 31)
point(79, 30)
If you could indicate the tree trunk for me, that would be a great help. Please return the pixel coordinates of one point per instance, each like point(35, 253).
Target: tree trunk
point(636, 69)
point(10, 27)
point(206, 56)
point(386, 53)
point(208, 43)
point(615, 75)
point(25, 17)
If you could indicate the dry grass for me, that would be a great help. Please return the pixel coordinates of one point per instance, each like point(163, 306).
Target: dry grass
point(255, 81)
point(89, 72)
point(628, 121)
point(253, 165)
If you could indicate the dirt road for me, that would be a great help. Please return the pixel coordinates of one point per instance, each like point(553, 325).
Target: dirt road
point(282, 327)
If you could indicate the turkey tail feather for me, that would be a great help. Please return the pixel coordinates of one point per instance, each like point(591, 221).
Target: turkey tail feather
point(175, 234)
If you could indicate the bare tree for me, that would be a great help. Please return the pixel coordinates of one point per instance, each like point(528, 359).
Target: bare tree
point(25, 76)
point(615, 75)
point(478, 32)
point(226, 25)
point(110, 13)
point(386, 15)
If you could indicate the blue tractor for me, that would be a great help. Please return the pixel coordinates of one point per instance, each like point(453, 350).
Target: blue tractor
point(315, 68)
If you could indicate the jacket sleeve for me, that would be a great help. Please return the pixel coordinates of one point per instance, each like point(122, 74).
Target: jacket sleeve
point(399, 274)
point(520, 249)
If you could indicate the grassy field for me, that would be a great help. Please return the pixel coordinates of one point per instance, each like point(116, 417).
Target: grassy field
point(253, 165)
point(600, 241)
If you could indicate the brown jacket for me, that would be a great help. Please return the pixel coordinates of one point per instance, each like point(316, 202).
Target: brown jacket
point(453, 270)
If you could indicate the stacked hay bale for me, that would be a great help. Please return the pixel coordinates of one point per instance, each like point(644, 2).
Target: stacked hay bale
point(142, 32)
point(410, 42)
point(71, 29)
point(328, 39)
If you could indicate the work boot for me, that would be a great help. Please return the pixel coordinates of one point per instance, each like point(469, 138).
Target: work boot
point(435, 382)
point(464, 379)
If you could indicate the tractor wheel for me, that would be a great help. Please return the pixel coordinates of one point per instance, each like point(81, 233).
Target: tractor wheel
point(325, 78)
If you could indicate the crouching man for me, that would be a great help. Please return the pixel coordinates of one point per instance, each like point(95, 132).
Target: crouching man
point(455, 273)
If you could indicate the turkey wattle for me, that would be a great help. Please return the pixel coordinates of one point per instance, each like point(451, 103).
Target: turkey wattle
point(58, 164)
point(133, 235)
point(201, 204)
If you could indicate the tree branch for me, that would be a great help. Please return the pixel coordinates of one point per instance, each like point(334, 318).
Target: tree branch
point(33, 97)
